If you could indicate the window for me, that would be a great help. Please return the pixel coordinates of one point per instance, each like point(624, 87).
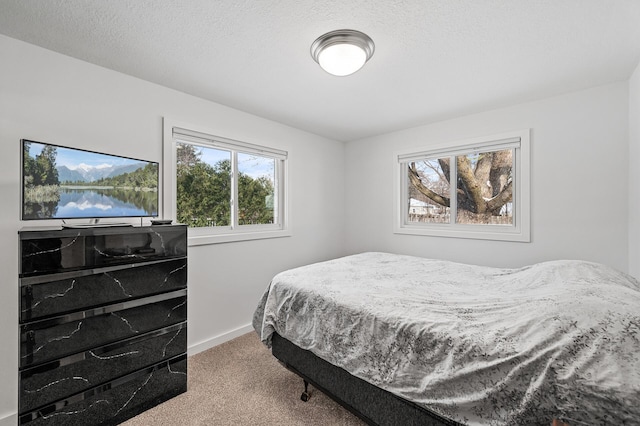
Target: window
point(225, 190)
point(471, 189)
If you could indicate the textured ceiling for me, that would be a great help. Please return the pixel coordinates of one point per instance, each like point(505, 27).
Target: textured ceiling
point(434, 59)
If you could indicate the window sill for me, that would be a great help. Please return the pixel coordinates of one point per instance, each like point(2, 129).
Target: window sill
point(475, 234)
point(200, 240)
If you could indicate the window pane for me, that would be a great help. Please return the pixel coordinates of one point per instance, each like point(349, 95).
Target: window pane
point(485, 188)
point(429, 191)
point(257, 197)
point(203, 185)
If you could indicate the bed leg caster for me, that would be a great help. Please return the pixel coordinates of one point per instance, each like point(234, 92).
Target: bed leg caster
point(305, 395)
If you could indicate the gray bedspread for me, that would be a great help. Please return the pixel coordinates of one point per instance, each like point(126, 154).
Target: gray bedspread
point(479, 345)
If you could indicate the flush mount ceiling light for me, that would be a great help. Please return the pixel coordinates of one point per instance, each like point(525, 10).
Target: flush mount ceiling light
point(342, 52)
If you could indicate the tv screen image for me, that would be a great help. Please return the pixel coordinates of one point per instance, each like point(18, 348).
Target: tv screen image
point(68, 183)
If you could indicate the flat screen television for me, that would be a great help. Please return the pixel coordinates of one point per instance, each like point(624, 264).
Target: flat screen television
point(61, 182)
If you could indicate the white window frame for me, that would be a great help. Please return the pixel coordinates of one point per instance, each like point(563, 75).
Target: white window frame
point(175, 131)
point(520, 231)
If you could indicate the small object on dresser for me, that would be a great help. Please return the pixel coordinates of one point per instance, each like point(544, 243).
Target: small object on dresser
point(161, 221)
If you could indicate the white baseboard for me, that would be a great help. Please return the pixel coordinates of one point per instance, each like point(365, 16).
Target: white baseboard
point(215, 341)
point(9, 420)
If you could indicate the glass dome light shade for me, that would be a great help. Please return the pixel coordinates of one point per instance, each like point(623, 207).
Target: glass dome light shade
point(342, 52)
point(342, 59)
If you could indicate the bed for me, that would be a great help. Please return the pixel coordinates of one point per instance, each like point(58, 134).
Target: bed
point(442, 343)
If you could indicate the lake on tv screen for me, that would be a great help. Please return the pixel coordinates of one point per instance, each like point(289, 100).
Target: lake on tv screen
point(94, 203)
point(76, 203)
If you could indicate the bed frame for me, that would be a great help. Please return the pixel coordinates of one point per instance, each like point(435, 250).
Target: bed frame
point(373, 405)
point(370, 403)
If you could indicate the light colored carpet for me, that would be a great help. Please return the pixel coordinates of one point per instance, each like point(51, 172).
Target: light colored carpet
point(241, 383)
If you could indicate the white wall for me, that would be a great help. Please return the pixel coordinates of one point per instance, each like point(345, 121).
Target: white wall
point(579, 180)
point(634, 173)
point(49, 97)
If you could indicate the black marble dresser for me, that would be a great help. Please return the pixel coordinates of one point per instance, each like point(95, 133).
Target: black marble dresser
point(103, 322)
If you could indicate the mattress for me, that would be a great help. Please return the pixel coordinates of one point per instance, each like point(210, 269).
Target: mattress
point(477, 345)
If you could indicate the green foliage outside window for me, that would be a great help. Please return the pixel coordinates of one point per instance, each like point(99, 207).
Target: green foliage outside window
point(255, 200)
point(204, 190)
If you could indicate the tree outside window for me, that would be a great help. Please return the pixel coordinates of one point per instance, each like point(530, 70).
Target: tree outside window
point(477, 188)
point(205, 187)
point(484, 188)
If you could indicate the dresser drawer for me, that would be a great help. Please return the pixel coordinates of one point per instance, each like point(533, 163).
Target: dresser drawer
point(50, 295)
point(76, 373)
point(118, 400)
point(55, 338)
point(74, 249)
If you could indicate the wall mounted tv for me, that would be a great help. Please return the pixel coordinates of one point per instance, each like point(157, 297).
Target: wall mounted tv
point(60, 182)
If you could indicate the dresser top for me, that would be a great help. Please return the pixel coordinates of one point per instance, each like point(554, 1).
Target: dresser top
point(29, 232)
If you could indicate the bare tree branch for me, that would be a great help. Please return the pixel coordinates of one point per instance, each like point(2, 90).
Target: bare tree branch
point(446, 168)
point(483, 167)
point(495, 204)
point(438, 170)
point(417, 183)
point(470, 185)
